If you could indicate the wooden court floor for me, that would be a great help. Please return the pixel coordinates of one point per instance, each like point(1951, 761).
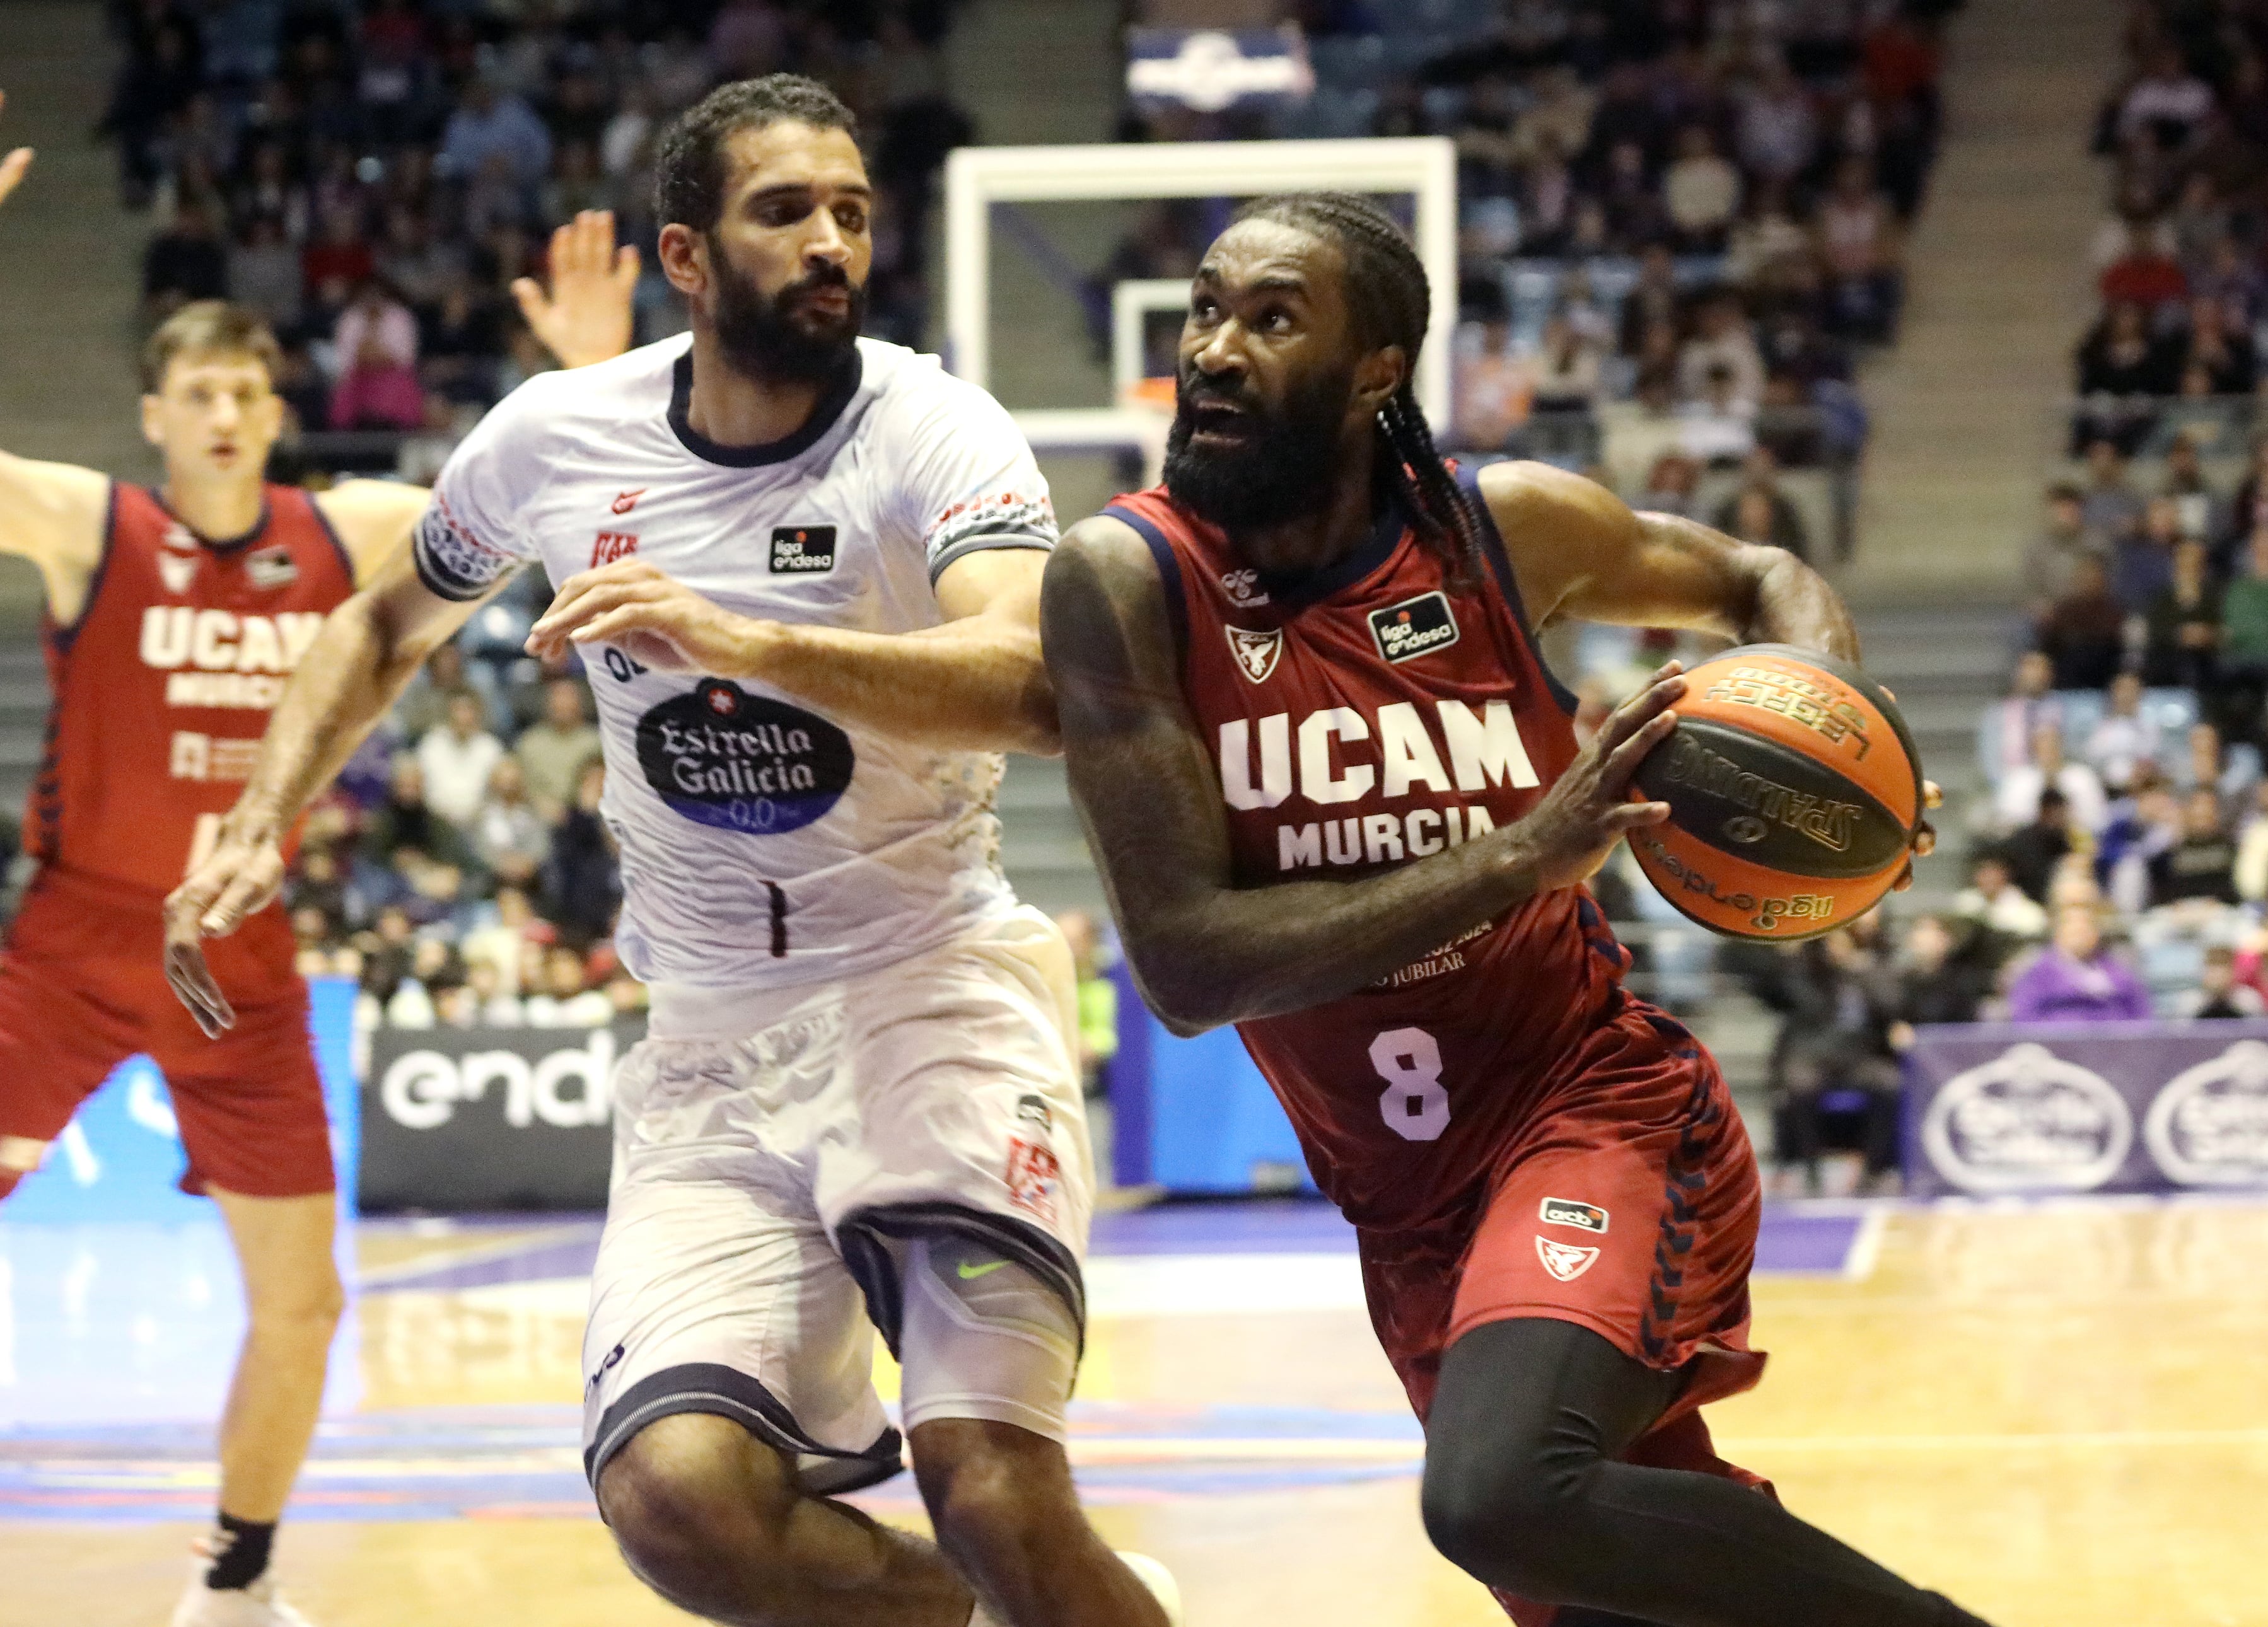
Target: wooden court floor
point(2058, 1415)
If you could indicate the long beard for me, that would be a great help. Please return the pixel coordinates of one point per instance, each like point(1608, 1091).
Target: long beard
point(774, 340)
point(1286, 468)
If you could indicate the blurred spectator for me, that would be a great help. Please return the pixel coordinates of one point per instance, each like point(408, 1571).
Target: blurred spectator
point(2226, 353)
point(2076, 979)
point(376, 340)
point(2182, 630)
point(2003, 733)
point(2120, 361)
point(1760, 474)
point(2126, 736)
point(1834, 1054)
point(2145, 275)
point(2219, 997)
point(2084, 633)
point(458, 758)
point(494, 136)
point(1701, 192)
point(404, 822)
point(2202, 865)
point(1934, 985)
point(1719, 427)
point(2168, 106)
point(2243, 643)
point(566, 999)
point(1860, 247)
point(1721, 340)
point(2033, 850)
point(1494, 388)
point(490, 1005)
point(1993, 900)
point(579, 878)
point(184, 262)
point(553, 751)
point(1754, 519)
point(263, 272)
point(2230, 770)
point(2110, 507)
point(1779, 130)
point(2142, 564)
point(1097, 1001)
point(2252, 850)
point(503, 940)
point(2023, 788)
point(2142, 829)
point(508, 834)
point(1565, 370)
point(2203, 514)
point(2051, 559)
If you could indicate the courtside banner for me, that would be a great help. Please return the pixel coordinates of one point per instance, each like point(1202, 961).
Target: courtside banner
point(1997, 1110)
point(1212, 69)
point(490, 1119)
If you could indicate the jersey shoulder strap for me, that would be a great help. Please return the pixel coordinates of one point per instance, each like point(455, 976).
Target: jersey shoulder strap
point(1150, 516)
point(1508, 582)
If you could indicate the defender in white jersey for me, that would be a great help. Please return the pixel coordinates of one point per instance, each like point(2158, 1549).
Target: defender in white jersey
point(802, 571)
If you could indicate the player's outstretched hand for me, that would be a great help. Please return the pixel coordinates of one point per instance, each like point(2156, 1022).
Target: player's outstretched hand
point(586, 315)
point(1924, 841)
point(653, 620)
point(12, 167)
point(242, 874)
point(1568, 834)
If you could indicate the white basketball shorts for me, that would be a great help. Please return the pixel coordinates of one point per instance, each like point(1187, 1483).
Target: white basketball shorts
point(794, 1168)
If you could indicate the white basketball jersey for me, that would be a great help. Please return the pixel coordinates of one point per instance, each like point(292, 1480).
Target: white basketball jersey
point(762, 844)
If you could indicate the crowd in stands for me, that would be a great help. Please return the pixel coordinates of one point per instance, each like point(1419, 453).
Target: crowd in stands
point(1680, 220)
point(374, 175)
point(2174, 352)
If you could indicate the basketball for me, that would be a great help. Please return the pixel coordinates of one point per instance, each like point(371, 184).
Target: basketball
point(1793, 788)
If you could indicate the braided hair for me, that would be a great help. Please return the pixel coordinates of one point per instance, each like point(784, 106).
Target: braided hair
point(1388, 295)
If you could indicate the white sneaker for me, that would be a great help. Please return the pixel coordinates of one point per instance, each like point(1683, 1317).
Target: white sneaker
point(256, 1606)
point(1160, 1581)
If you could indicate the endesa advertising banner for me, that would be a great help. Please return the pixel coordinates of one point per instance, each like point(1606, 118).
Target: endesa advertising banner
point(471, 1119)
point(1995, 1109)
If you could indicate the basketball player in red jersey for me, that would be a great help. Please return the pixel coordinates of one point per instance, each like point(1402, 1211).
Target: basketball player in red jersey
point(1338, 801)
point(174, 618)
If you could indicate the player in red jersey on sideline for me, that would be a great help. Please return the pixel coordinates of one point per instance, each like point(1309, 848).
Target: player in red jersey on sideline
point(174, 616)
point(1339, 801)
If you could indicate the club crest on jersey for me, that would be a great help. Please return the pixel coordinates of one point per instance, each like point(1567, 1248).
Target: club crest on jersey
point(611, 546)
point(1256, 653)
point(1414, 627)
point(1567, 1211)
point(1564, 1261)
point(271, 568)
point(1243, 588)
point(802, 550)
point(177, 571)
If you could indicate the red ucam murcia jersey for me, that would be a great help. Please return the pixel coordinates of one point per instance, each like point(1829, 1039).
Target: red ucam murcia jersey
point(1365, 716)
point(163, 686)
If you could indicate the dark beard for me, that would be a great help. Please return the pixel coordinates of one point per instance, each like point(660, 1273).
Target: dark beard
point(1286, 469)
point(769, 339)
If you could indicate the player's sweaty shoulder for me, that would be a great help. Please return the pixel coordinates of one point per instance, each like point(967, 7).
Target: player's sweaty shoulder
point(55, 515)
point(1103, 619)
point(1558, 528)
point(373, 519)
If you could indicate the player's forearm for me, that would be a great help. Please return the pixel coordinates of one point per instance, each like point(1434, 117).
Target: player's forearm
point(1233, 954)
point(972, 685)
point(1795, 606)
point(349, 679)
point(1752, 594)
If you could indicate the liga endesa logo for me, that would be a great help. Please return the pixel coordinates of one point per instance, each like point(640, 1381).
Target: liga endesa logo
point(569, 1088)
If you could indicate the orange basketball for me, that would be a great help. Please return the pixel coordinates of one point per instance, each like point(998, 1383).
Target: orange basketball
point(1793, 788)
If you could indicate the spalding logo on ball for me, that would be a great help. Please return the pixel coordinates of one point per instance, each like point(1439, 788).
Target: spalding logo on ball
point(1795, 792)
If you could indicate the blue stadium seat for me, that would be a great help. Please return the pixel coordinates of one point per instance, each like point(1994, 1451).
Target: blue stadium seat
point(1348, 62)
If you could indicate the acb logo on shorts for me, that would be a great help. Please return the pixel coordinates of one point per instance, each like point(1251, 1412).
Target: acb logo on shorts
point(1567, 1211)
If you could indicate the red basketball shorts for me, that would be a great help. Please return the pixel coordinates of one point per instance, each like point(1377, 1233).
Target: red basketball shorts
point(83, 987)
point(1629, 1207)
